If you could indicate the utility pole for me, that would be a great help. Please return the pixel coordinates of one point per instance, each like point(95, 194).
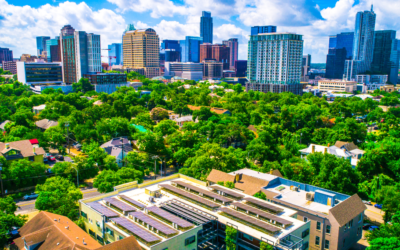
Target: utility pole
point(122, 143)
point(77, 176)
point(67, 125)
point(1, 179)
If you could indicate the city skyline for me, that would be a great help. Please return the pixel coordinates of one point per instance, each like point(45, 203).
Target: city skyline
point(109, 19)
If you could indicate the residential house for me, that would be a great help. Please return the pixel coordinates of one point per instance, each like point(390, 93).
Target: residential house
point(38, 109)
point(219, 111)
point(183, 119)
point(46, 124)
point(3, 124)
point(119, 148)
point(56, 232)
point(25, 149)
point(98, 103)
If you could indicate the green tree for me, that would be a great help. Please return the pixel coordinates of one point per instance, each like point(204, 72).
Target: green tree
point(265, 246)
point(230, 239)
point(389, 197)
point(108, 179)
point(58, 195)
point(260, 195)
point(166, 127)
point(391, 243)
point(83, 85)
point(8, 219)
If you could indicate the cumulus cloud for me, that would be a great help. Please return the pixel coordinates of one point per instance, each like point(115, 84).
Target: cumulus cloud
point(21, 25)
point(157, 8)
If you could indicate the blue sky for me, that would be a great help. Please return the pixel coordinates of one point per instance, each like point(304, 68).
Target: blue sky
point(22, 20)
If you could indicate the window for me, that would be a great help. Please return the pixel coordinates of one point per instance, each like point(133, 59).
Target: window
point(326, 244)
point(190, 240)
point(92, 233)
point(247, 237)
point(98, 223)
point(360, 218)
point(317, 240)
point(305, 219)
point(109, 231)
point(350, 223)
point(108, 242)
point(358, 231)
point(344, 242)
point(83, 214)
point(120, 237)
point(305, 245)
point(99, 239)
point(31, 158)
point(328, 229)
point(305, 233)
point(318, 225)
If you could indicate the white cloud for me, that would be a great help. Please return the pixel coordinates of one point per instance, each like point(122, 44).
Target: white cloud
point(158, 8)
point(20, 25)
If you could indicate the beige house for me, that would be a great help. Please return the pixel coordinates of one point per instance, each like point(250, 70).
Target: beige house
point(337, 86)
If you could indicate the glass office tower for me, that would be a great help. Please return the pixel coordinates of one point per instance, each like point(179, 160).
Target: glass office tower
point(190, 49)
point(41, 44)
point(255, 30)
point(206, 27)
point(115, 56)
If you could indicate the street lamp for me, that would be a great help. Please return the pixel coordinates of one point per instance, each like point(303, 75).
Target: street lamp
point(155, 165)
point(122, 143)
point(77, 176)
point(67, 126)
point(1, 179)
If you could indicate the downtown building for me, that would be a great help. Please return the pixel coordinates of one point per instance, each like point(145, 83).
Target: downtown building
point(306, 65)
point(206, 27)
point(275, 63)
point(340, 50)
point(190, 49)
point(217, 52)
point(115, 55)
point(141, 51)
point(6, 55)
point(53, 50)
point(255, 30)
point(233, 45)
point(184, 70)
point(41, 44)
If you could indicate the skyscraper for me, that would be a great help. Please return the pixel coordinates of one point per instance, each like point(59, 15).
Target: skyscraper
point(67, 45)
point(233, 45)
point(255, 30)
point(386, 56)
point(274, 63)
point(221, 53)
point(141, 51)
point(335, 61)
point(363, 44)
point(53, 50)
point(172, 50)
point(115, 54)
point(41, 44)
point(6, 55)
point(190, 49)
point(170, 44)
point(206, 27)
point(240, 68)
point(206, 51)
point(306, 64)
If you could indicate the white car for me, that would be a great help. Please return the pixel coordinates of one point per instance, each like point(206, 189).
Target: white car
point(30, 196)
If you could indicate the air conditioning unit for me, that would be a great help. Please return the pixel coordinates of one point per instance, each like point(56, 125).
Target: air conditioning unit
point(310, 196)
point(294, 188)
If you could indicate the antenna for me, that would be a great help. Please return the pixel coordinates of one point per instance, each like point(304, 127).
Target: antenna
point(372, 7)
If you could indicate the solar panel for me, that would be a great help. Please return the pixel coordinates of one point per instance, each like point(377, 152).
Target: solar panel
point(135, 229)
point(190, 195)
point(102, 209)
point(203, 191)
point(227, 191)
point(250, 220)
point(132, 201)
point(152, 222)
point(170, 217)
point(263, 205)
point(262, 213)
point(120, 205)
point(173, 209)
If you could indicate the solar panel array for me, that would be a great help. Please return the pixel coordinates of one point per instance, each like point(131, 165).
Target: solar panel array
point(203, 191)
point(227, 191)
point(152, 222)
point(170, 217)
point(263, 205)
point(262, 213)
point(135, 229)
point(102, 209)
point(250, 220)
point(190, 195)
point(134, 202)
point(119, 204)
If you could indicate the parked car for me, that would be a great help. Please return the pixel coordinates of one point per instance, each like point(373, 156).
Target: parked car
point(51, 158)
point(367, 202)
point(378, 206)
point(45, 160)
point(373, 228)
point(30, 196)
point(77, 145)
point(60, 157)
point(366, 226)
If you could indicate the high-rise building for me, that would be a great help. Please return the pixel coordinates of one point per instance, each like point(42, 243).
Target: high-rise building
point(363, 44)
point(115, 54)
point(188, 70)
point(80, 54)
point(41, 44)
point(141, 51)
point(171, 50)
point(274, 62)
point(10, 66)
point(53, 45)
point(206, 50)
point(386, 56)
point(40, 73)
point(172, 55)
point(335, 61)
point(6, 55)
point(306, 64)
point(233, 45)
point(206, 27)
point(241, 68)
point(170, 44)
point(213, 70)
point(255, 30)
point(190, 49)
point(221, 53)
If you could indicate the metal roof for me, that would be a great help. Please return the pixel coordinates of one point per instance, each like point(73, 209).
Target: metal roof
point(227, 191)
point(132, 201)
point(135, 230)
point(170, 217)
point(262, 213)
point(120, 205)
point(154, 223)
point(102, 209)
point(203, 191)
point(263, 204)
point(190, 195)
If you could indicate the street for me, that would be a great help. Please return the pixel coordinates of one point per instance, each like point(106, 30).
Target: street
point(29, 206)
point(374, 214)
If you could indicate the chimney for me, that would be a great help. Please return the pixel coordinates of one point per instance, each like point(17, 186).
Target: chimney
point(270, 171)
point(313, 149)
point(237, 178)
point(7, 145)
point(325, 150)
point(34, 150)
point(329, 145)
point(59, 220)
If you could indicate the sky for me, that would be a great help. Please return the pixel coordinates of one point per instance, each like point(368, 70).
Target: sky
point(22, 20)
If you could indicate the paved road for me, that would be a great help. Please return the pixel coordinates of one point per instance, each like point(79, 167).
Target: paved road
point(29, 206)
point(374, 214)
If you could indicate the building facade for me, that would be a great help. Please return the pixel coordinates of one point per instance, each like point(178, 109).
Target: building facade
point(241, 68)
point(141, 51)
point(6, 55)
point(41, 44)
point(367, 79)
point(39, 73)
point(221, 53)
point(337, 86)
point(68, 54)
point(275, 63)
point(189, 71)
point(190, 49)
point(233, 45)
point(335, 61)
point(386, 55)
point(53, 50)
point(115, 55)
point(10, 66)
point(255, 30)
point(343, 40)
point(213, 70)
point(206, 27)
point(206, 51)
point(306, 65)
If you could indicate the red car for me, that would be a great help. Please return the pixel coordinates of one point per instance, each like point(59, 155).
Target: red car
point(51, 158)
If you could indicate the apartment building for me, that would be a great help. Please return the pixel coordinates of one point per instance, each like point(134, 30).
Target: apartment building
point(335, 219)
point(179, 212)
point(337, 86)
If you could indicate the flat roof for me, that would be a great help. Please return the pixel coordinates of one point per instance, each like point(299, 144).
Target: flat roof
point(259, 175)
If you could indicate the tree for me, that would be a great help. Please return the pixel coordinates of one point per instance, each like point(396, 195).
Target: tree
point(261, 195)
point(83, 85)
point(108, 179)
point(389, 197)
point(265, 246)
point(166, 127)
point(8, 219)
point(23, 172)
point(230, 239)
point(60, 196)
point(391, 243)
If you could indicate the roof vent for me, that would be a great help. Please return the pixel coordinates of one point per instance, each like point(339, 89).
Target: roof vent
point(55, 219)
point(77, 237)
point(58, 243)
point(84, 243)
point(67, 227)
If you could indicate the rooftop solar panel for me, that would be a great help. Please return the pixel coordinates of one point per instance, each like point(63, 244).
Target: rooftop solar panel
point(262, 213)
point(192, 219)
point(102, 209)
point(263, 204)
point(250, 220)
point(190, 195)
point(119, 204)
point(135, 229)
point(152, 222)
point(134, 202)
point(203, 191)
point(227, 191)
point(188, 213)
point(170, 217)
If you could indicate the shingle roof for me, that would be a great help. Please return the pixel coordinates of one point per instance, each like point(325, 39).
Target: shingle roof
point(24, 147)
point(250, 185)
point(114, 146)
point(348, 209)
point(216, 176)
point(46, 123)
point(348, 145)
